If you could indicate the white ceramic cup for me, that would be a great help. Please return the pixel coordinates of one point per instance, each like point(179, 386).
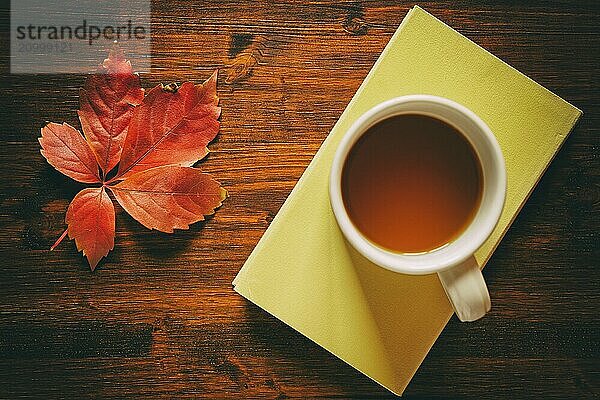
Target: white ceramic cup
point(454, 263)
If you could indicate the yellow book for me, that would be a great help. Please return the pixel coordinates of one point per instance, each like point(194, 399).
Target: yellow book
point(302, 272)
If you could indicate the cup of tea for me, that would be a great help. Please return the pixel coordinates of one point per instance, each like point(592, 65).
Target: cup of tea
point(417, 185)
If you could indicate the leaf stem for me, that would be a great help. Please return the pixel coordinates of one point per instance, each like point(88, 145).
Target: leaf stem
point(60, 239)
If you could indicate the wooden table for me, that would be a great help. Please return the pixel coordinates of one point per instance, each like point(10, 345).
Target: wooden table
point(159, 317)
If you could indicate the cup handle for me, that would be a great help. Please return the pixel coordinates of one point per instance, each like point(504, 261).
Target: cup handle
point(466, 290)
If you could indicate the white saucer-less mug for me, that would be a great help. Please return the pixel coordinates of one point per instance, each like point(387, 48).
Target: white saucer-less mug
point(454, 263)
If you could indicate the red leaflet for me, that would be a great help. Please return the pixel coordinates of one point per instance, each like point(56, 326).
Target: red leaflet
point(106, 104)
point(169, 197)
point(66, 150)
point(154, 140)
point(91, 221)
point(171, 128)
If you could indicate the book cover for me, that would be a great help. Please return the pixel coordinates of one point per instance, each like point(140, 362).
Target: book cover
point(303, 272)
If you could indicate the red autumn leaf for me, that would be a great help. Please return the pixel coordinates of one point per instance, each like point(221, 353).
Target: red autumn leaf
point(106, 103)
point(67, 151)
point(169, 197)
point(91, 222)
point(154, 142)
point(171, 127)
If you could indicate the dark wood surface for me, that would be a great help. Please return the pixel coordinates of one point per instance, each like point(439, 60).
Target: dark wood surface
point(159, 318)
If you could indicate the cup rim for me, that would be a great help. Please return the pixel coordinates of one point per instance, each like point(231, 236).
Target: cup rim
point(443, 257)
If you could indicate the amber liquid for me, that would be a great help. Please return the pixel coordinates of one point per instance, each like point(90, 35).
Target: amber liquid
point(412, 183)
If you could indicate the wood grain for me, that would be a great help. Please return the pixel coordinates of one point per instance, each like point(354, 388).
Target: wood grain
point(159, 318)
